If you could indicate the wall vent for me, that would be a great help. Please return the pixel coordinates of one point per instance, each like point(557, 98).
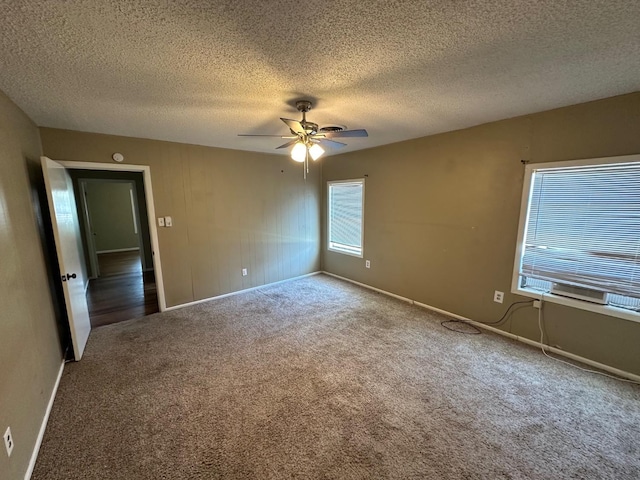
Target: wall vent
point(580, 293)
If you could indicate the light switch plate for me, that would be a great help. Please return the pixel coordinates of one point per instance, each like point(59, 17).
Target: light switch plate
point(168, 222)
point(161, 221)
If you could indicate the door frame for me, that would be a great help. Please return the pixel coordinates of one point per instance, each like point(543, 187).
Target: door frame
point(93, 258)
point(151, 212)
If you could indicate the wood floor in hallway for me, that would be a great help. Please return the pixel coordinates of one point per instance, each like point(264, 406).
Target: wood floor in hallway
point(123, 291)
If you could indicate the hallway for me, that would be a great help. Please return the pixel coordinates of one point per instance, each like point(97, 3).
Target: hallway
point(123, 291)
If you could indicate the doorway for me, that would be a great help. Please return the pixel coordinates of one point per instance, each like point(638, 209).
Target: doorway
point(123, 275)
point(111, 219)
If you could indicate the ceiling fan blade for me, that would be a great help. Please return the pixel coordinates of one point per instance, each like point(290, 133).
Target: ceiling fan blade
point(330, 143)
point(261, 135)
point(345, 133)
point(294, 125)
point(288, 144)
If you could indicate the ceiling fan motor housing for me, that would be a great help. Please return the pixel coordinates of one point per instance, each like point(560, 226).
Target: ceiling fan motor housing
point(309, 127)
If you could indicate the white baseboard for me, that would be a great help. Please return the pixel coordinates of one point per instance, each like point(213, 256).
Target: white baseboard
point(119, 250)
point(404, 299)
point(43, 426)
point(557, 351)
point(237, 292)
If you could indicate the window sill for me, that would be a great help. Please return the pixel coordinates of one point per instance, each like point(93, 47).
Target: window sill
point(608, 310)
point(345, 252)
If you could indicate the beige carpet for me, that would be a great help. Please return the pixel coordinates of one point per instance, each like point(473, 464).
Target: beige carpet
point(320, 379)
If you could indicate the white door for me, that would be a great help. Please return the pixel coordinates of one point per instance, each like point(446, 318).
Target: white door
point(66, 232)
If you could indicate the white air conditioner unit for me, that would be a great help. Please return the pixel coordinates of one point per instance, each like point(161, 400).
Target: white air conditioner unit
point(580, 293)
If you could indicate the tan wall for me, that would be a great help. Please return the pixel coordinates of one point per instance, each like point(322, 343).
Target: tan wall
point(30, 352)
point(112, 219)
point(230, 210)
point(441, 218)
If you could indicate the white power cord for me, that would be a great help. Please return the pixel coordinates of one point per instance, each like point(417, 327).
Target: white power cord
point(542, 345)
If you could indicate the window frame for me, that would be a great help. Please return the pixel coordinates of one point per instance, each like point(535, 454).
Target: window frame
point(339, 250)
point(530, 169)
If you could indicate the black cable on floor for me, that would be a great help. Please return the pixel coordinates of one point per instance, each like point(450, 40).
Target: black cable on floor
point(504, 317)
point(476, 330)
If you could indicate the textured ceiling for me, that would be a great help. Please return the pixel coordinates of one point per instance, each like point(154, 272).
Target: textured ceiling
point(203, 71)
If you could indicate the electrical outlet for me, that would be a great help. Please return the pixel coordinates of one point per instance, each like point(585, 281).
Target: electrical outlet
point(244, 272)
point(8, 441)
point(367, 263)
point(498, 296)
point(161, 221)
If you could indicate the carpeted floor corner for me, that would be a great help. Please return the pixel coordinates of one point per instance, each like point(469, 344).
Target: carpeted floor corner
point(320, 379)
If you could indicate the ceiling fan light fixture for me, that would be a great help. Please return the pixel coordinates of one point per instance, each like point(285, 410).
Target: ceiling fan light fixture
point(315, 151)
point(299, 152)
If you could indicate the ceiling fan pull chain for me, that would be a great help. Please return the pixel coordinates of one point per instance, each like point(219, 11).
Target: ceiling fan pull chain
point(305, 167)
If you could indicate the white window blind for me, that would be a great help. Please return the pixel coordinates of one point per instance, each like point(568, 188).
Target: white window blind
point(583, 228)
point(346, 216)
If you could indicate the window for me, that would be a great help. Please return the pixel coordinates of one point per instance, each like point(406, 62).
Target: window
point(346, 216)
point(579, 234)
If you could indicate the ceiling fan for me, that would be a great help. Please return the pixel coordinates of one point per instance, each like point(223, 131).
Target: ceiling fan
point(307, 139)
